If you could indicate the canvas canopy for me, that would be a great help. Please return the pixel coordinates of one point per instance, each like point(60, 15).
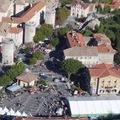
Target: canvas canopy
point(94, 106)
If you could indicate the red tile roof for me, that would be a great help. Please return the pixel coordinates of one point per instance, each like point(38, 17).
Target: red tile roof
point(103, 70)
point(105, 49)
point(102, 37)
point(99, 35)
point(115, 4)
point(15, 30)
point(26, 16)
point(76, 39)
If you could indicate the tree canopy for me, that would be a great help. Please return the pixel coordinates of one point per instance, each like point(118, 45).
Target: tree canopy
point(61, 15)
point(11, 74)
point(45, 31)
point(38, 55)
point(64, 2)
point(32, 61)
point(63, 31)
point(71, 66)
point(55, 42)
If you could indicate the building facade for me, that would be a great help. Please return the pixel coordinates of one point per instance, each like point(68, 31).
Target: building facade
point(26, 79)
point(105, 79)
point(81, 9)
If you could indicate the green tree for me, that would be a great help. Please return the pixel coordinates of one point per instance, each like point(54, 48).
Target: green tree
point(46, 30)
point(5, 80)
point(63, 31)
point(55, 42)
point(61, 15)
point(39, 37)
point(32, 61)
point(20, 68)
point(117, 58)
point(71, 66)
point(107, 9)
point(64, 2)
point(38, 55)
point(99, 9)
point(87, 32)
point(110, 35)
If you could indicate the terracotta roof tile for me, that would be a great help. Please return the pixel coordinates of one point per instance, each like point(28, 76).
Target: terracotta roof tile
point(26, 16)
point(103, 70)
point(105, 49)
point(102, 38)
point(76, 39)
point(15, 30)
point(104, 65)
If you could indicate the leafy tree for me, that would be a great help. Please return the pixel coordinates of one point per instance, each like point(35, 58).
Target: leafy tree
point(117, 58)
point(55, 42)
point(63, 31)
point(61, 15)
point(99, 9)
point(20, 68)
point(39, 37)
point(38, 55)
point(87, 32)
point(46, 30)
point(71, 66)
point(32, 61)
point(64, 2)
point(11, 74)
point(5, 80)
point(26, 50)
point(107, 9)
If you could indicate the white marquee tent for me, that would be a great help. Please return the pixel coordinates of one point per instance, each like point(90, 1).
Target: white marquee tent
point(94, 106)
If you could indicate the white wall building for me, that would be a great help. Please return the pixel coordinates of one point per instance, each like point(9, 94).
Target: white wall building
point(29, 32)
point(81, 9)
point(17, 35)
point(50, 17)
point(30, 19)
point(7, 52)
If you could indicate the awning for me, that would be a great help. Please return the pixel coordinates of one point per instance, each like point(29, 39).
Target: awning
point(13, 88)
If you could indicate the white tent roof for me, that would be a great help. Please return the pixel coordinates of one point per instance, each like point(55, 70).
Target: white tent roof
point(90, 106)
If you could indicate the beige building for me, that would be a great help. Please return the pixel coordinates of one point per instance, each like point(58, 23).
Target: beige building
point(87, 55)
point(105, 79)
point(27, 79)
